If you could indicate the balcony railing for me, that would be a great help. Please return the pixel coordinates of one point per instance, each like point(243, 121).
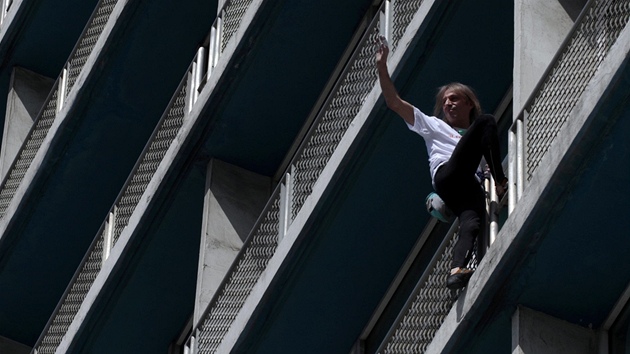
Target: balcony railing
point(163, 136)
point(553, 100)
point(54, 103)
point(223, 29)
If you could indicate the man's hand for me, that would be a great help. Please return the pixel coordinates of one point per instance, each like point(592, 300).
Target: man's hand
point(393, 101)
point(382, 51)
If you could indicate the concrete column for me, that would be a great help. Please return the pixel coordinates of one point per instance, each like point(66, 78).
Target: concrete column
point(536, 333)
point(540, 27)
point(8, 346)
point(27, 94)
point(234, 200)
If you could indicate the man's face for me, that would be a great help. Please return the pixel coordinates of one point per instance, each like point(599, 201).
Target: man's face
point(456, 108)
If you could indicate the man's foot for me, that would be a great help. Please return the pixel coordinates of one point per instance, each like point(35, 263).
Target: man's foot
point(458, 278)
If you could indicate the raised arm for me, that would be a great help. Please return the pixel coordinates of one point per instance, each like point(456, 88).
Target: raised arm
point(392, 99)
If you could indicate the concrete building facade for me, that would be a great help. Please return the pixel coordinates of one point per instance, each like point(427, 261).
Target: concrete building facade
point(224, 177)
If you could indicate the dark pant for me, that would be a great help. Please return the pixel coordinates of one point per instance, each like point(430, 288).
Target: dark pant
point(456, 184)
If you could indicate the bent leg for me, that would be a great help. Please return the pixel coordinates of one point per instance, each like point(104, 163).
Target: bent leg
point(481, 139)
point(469, 229)
point(465, 197)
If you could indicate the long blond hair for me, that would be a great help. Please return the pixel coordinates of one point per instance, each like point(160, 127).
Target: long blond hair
point(461, 89)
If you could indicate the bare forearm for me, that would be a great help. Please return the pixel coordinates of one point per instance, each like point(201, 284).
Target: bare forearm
point(387, 86)
point(392, 99)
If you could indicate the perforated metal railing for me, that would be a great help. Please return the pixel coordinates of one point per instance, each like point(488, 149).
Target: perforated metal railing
point(54, 103)
point(402, 13)
point(552, 102)
point(141, 177)
point(232, 16)
point(347, 99)
point(27, 152)
point(346, 102)
point(55, 331)
point(120, 214)
point(337, 113)
point(142, 174)
point(88, 40)
point(428, 305)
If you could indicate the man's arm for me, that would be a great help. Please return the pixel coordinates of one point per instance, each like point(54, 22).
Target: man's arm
point(392, 99)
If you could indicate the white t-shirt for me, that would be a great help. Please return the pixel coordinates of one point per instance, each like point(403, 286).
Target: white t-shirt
point(440, 139)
